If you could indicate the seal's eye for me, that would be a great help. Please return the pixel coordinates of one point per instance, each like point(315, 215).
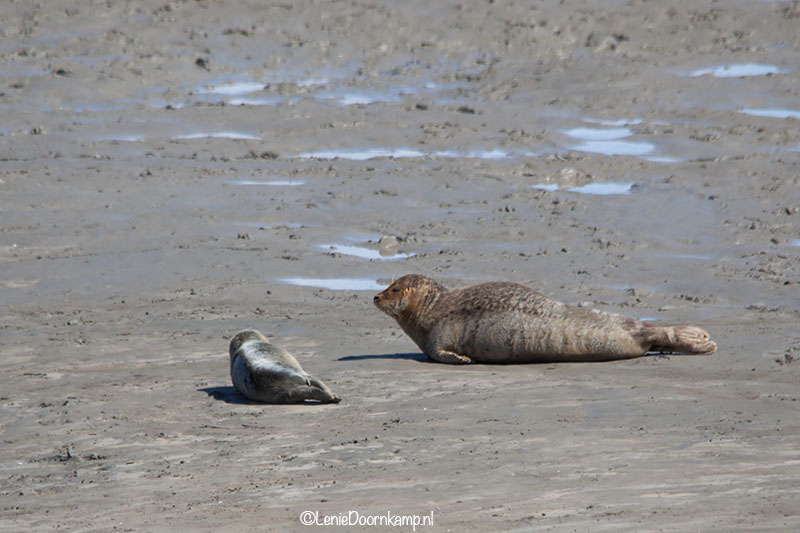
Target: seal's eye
point(395, 289)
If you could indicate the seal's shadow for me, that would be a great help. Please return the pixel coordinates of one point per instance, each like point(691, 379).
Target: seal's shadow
point(228, 395)
point(421, 357)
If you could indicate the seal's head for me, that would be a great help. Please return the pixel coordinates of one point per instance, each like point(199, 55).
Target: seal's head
point(243, 337)
point(406, 295)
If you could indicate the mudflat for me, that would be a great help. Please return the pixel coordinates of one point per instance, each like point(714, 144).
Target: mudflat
point(174, 172)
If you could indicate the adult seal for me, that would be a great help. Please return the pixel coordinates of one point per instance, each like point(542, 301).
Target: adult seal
point(501, 322)
point(267, 373)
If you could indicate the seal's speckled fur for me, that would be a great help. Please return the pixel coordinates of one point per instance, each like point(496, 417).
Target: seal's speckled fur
point(500, 322)
point(267, 373)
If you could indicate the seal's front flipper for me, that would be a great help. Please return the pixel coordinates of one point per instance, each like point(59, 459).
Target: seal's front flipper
point(451, 358)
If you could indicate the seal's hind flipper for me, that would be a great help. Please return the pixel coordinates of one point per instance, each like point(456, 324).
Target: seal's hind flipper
point(311, 392)
point(681, 339)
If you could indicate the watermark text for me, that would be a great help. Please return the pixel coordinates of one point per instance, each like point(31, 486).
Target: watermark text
point(356, 518)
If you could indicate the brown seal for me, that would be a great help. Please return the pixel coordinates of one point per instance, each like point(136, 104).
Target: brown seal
point(500, 322)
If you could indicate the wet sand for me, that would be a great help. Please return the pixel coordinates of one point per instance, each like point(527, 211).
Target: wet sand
point(175, 172)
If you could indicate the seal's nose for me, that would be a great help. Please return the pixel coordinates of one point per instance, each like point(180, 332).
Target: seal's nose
point(376, 298)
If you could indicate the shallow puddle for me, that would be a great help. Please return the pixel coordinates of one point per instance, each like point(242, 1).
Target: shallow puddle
point(598, 134)
point(232, 89)
point(615, 147)
point(737, 70)
point(603, 188)
point(608, 141)
point(664, 159)
point(373, 153)
point(250, 92)
point(614, 123)
point(336, 284)
point(493, 154)
point(313, 82)
point(546, 187)
point(235, 135)
point(364, 253)
point(273, 183)
point(361, 97)
point(596, 188)
point(362, 154)
point(771, 113)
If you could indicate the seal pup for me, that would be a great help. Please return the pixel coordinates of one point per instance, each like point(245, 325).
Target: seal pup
point(267, 373)
point(501, 322)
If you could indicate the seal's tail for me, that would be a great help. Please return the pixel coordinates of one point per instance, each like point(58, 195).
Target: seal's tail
point(681, 339)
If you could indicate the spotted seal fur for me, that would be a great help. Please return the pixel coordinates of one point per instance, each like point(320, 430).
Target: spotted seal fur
point(267, 373)
point(501, 322)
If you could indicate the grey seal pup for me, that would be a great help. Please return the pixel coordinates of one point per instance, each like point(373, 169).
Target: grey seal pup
point(500, 322)
point(267, 373)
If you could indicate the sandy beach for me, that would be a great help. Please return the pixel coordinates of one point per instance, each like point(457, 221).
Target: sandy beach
point(174, 172)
